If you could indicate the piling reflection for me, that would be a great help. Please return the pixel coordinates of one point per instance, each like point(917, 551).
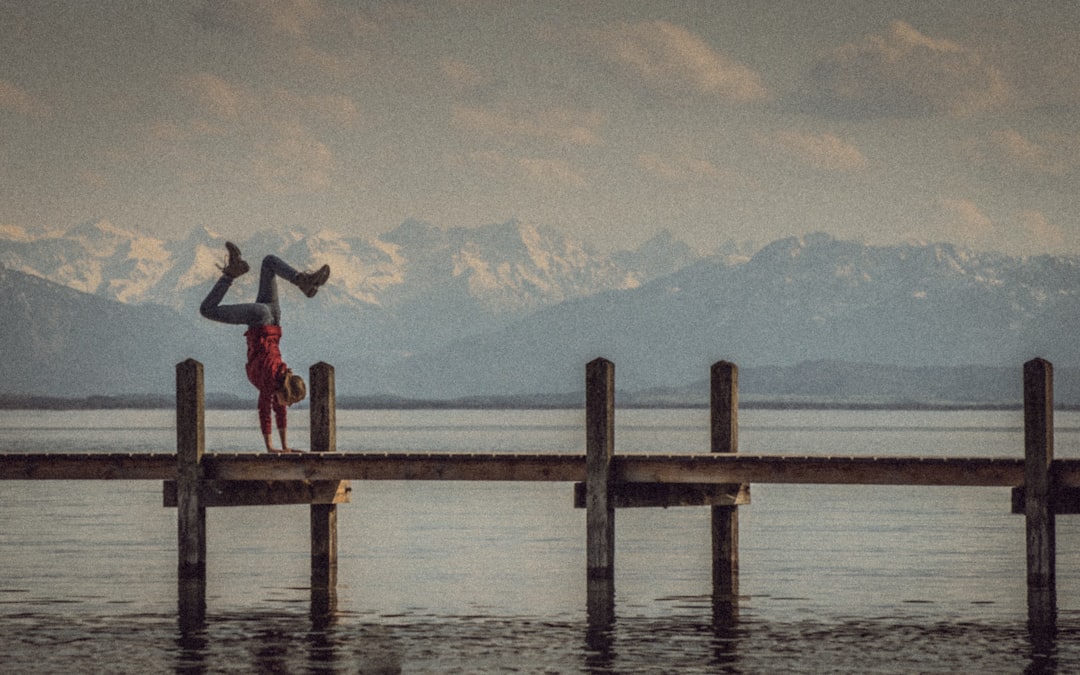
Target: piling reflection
point(691, 633)
point(195, 650)
point(191, 605)
point(322, 652)
point(1043, 638)
point(607, 646)
point(725, 625)
point(599, 635)
point(191, 618)
point(1042, 629)
point(324, 607)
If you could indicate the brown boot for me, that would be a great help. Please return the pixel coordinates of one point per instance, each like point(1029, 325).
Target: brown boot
point(235, 265)
point(309, 282)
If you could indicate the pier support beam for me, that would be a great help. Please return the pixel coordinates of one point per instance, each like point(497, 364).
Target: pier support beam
point(324, 544)
point(190, 446)
point(599, 504)
point(599, 452)
point(724, 432)
point(1038, 491)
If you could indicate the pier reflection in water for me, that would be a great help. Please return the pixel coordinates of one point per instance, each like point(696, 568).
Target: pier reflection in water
point(701, 634)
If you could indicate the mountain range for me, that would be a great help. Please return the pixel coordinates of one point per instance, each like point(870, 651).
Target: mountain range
point(513, 309)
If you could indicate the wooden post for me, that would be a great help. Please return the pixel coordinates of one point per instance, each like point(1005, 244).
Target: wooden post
point(724, 427)
point(324, 545)
point(599, 451)
point(323, 408)
point(190, 446)
point(1039, 514)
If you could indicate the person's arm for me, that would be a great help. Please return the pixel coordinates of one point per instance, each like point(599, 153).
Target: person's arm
point(281, 415)
point(265, 405)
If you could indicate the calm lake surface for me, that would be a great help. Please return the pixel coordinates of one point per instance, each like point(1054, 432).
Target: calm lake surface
point(438, 577)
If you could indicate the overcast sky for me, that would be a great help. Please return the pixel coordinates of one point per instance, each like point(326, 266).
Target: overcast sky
point(748, 120)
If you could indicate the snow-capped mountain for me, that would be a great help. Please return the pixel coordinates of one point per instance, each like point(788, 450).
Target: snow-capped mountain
point(504, 268)
point(514, 309)
point(800, 299)
point(407, 291)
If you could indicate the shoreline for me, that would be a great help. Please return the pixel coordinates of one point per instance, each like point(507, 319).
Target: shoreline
point(539, 402)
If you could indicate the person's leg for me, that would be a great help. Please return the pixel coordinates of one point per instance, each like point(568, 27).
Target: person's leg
point(249, 314)
point(272, 268)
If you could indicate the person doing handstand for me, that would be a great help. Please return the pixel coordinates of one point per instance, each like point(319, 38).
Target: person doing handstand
point(278, 386)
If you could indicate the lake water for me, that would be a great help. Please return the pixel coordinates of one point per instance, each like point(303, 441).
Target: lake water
point(438, 577)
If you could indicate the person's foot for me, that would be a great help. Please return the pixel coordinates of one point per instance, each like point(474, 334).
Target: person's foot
point(309, 282)
point(235, 265)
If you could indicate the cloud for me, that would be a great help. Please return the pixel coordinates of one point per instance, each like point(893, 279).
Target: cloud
point(462, 75)
point(1010, 150)
point(293, 163)
point(278, 17)
point(333, 108)
point(271, 139)
point(682, 170)
point(902, 73)
point(672, 60)
point(230, 102)
point(551, 172)
point(1040, 232)
point(558, 124)
point(218, 97)
point(820, 151)
point(18, 100)
point(307, 36)
point(1039, 56)
point(961, 220)
point(556, 173)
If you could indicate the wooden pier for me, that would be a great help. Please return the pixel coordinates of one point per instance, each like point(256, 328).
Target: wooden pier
point(720, 478)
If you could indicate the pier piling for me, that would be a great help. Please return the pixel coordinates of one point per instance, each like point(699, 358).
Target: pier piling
point(599, 500)
point(724, 435)
point(324, 541)
point(190, 447)
point(1038, 491)
point(599, 453)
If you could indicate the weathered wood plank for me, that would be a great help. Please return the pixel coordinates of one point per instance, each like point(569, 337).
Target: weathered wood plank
point(664, 495)
point(819, 470)
point(1063, 500)
point(87, 466)
point(1065, 473)
point(556, 467)
point(398, 466)
point(264, 493)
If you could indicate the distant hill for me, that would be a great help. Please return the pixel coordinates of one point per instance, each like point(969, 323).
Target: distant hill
point(811, 385)
point(60, 342)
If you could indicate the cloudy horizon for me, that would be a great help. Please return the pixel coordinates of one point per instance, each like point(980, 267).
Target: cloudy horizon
point(610, 121)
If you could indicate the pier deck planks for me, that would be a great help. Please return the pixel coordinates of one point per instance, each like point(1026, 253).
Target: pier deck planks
point(566, 467)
